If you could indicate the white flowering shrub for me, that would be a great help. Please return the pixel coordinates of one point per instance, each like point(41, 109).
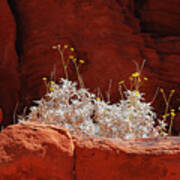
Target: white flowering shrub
point(82, 113)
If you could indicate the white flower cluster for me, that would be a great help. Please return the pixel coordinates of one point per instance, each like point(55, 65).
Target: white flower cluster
point(83, 114)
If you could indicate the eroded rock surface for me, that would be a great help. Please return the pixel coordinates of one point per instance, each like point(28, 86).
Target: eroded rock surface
point(9, 75)
point(159, 18)
point(36, 151)
point(117, 159)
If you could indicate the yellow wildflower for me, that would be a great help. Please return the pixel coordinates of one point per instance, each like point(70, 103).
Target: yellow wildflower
point(81, 61)
point(58, 46)
point(165, 115)
point(72, 49)
point(74, 60)
point(65, 46)
point(162, 90)
point(51, 89)
point(173, 113)
point(145, 78)
point(52, 82)
point(98, 98)
point(54, 47)
point(71, 57)
point(121, 82)
point(137, 93)
point(136, 74)
point(44, 78)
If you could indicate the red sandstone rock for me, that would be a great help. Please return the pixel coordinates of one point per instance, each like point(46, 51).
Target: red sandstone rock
point(105, 39)
point(34, 151)
point(169, 70)
point(1, 116)
point(104, 33)
point(117, 159)
point(161, 20)
point(160, 17)
point(176, 125)
point(9, 76)
point(166, 50)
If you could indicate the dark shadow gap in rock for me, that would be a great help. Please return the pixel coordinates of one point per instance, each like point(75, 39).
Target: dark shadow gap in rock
point(139, 9)
point(74, 171)
point(18, 43)
point(138, 6)
point(19, 50)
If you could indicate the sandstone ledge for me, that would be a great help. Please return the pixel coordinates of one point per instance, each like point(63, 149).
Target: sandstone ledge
point(37, 151)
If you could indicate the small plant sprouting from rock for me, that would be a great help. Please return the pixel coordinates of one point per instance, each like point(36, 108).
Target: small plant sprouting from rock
point(82, 113)
point(65, 61)
point(168, 113)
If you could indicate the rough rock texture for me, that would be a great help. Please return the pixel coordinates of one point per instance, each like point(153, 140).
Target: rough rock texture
point(108, 34)
point(35, 151)
point(138, 160)
point(9, 77)
point(108, 38)
point(165, 41)
point(159, 17)
point(1, 115)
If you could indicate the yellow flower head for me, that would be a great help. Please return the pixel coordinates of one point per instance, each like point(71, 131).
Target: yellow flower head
point(98, 98)
point(145, 78)
point(172, 91)
point(81, 61)
point(58, 46)
point(71, 57)
point(72, 49)
point(162, 90)
point(44, 78)
point(52, 82)
point(54, 47)
point(137, 93)
point(51, 89)
point(65, 46)
point(136, 74)
point(121, 82)
point(173, 113)
point(164, 116)
point(74, 60)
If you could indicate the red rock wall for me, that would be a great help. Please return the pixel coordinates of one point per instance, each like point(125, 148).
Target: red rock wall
point(160, 17)
point(161, 20)
point(108, 39)
point(108, 34)
point(9, 75)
